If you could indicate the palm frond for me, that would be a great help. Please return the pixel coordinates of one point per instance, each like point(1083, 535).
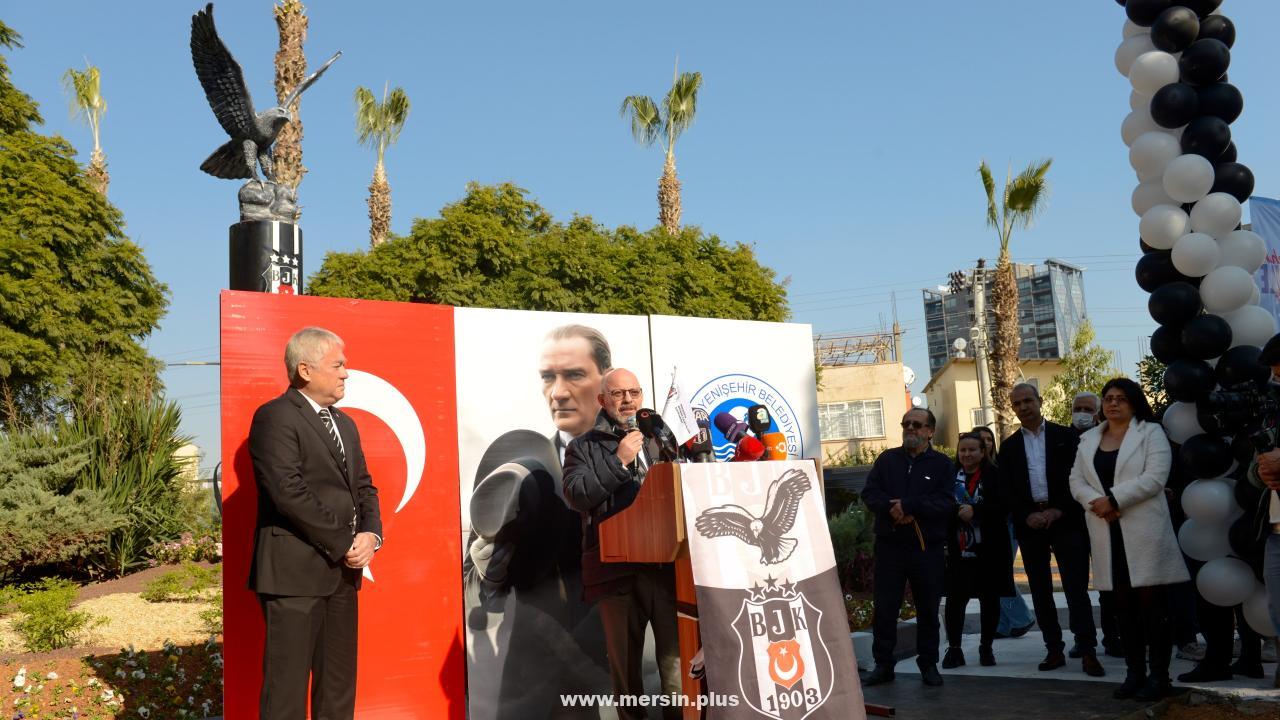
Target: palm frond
point(1027, 193)
point(85, 92)
point(989, 184)
point(396, 110)
point(646, 121)
point(681, 104)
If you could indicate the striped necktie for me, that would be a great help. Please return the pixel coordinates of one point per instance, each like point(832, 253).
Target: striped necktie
point(327, 419)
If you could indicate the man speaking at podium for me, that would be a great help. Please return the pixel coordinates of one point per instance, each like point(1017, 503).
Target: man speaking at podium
point(603, 471)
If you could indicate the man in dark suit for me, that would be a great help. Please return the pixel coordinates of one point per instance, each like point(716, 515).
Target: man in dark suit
point(1035, 467)
point(318, 527)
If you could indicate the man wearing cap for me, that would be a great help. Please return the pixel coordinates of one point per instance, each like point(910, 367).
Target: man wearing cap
point(1264, 472)
point(318, 526)
point(603, 471)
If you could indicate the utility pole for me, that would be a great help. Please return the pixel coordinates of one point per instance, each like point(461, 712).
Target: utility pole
point(978, 333)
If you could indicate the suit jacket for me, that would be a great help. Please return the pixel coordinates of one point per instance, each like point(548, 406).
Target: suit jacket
point(1060, 444)
point(307, 498)
point(926, 486)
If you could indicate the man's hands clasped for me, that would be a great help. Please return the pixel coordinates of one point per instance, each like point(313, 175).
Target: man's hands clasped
point(361, 552)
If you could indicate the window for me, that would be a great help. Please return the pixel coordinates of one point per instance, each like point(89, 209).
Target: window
point(975, 417)
point(854, 420)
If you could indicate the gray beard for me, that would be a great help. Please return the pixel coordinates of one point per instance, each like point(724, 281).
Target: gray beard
point(912, 442)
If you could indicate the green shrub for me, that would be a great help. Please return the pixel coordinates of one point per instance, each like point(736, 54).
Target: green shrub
point(47, 621)
point(186, 584)
point(211, 617)
point(853, 540)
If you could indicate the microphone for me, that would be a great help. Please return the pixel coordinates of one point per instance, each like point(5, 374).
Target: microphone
point(749, 449)
point(758, 420)
point(652, 427)
point(775, 445)
point(698, 448)
point(729, 426)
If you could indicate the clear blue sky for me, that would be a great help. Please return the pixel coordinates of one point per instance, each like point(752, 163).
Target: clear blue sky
point(840, 139)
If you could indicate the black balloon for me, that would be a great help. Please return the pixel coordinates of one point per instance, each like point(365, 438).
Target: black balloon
point(1218, 27)
point(1175, 104)
point(1239, 365)
point(1188, 380)
point(1166, 344)
point(1174, 304)
point(1175, 29)
point(1155, 269)
point(1145, 12)
point(1201, 7)
point(1206, 456)
point(1205, 61)
point(1207, 136)
point(1221, 100)
point(1206, 336)
point(1142, 245)
point(1234, 179)
point(1229, 155)
point(1242, 449)
point(1209, 422)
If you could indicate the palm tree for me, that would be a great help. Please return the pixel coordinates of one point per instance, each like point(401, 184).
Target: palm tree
point(85, 89)
point(378, 125)
point(648, 123)
point(291, 69)
point(1024, 196)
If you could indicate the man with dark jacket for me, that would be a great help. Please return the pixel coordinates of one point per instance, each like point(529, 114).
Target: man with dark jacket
point(911, 491)
point(1035, 467)
point(603, 470)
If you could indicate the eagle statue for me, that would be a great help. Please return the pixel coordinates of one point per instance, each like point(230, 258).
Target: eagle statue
point(251, 133)
point(765, 532)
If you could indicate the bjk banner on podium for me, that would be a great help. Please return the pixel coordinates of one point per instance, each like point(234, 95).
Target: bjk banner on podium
point(770, 611)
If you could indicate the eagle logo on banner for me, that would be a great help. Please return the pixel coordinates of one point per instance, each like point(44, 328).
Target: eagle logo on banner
point(766, 531)
point(784, 669)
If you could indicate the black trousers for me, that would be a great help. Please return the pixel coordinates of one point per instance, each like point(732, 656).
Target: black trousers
point(310, 638)
point(899, 563)
point(964, 582)
point(1070, 546)
point(1148, 634)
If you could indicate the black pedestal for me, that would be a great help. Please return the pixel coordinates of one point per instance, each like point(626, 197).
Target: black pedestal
point(266, 256)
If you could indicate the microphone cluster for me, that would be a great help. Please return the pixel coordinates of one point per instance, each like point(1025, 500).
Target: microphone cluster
point(753, 437)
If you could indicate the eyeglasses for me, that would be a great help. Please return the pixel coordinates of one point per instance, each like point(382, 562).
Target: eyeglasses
point(626, 392)
point(913, 425)
point(1115, 400)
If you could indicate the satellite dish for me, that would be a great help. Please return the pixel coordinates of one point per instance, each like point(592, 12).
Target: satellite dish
point(908, 375)
point(917, 401)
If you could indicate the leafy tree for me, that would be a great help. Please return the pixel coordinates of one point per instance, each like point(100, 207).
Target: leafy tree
point(497, 248)
point(76, 296)
point(649, 123)
point(1151, 377)
point(378, 124)
point(291, 69)
point(1086, 367)
point(85, 89)
point(1023, 198)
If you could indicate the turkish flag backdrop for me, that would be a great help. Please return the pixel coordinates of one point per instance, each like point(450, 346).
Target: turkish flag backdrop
point(411, 662)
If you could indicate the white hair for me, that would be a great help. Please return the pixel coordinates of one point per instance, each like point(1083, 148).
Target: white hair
point(307, 345)
point(1097, 402)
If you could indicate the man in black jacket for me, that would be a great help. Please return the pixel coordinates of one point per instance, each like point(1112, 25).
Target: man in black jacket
point(1035, 469)
point(911, 491)
point(603, 470)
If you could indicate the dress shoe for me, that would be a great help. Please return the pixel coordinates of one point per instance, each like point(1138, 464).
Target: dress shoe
point(1089, 663)
point(1203, 673)
point(953, 659)
point(1130, 687)
point(880, 675)
point(1248, 669)
point(1054, 660)
point(1075, 653)
point(929, 674)
point(986, 657)
point(1019, 632)
point(1155, 688)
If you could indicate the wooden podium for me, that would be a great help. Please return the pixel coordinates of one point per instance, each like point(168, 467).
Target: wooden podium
point(652, 530)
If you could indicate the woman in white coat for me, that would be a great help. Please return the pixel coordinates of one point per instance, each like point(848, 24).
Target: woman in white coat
point(1119, 476)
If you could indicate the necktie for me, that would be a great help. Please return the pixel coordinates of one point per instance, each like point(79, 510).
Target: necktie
point(327, 419)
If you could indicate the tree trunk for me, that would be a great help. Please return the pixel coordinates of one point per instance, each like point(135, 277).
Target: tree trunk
point(669, 198)
point(1004, 348)
point(291, 69)
point(379, 207)
point(97, 173)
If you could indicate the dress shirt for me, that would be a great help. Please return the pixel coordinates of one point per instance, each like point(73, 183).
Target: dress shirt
point(565, 439)
point(1033, 444)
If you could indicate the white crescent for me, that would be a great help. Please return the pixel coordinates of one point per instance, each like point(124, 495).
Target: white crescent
point(370, 393)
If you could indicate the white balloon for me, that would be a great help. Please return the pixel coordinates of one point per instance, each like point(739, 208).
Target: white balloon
point(1138, 100)
point(1225, 581)
point(1195, 254)
point(1148, 195)
point(1204, 541)
point(1226, 289)
point(1180, 422)
point(1208, 502)
point(1152, 71)
point(1258, 614)
point(1152, 152)
point(1188, 178)
point(1244, 249)
point(1136, 124)
point(1256, 297)
point(1131, 28)
point(1129, 51)
point(1217, 214)
point(1251, 325)
point(1162, 225)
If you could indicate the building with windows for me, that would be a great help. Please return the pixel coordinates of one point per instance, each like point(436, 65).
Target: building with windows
point(1050, 310)
point(952, 394)
point(863, 394)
